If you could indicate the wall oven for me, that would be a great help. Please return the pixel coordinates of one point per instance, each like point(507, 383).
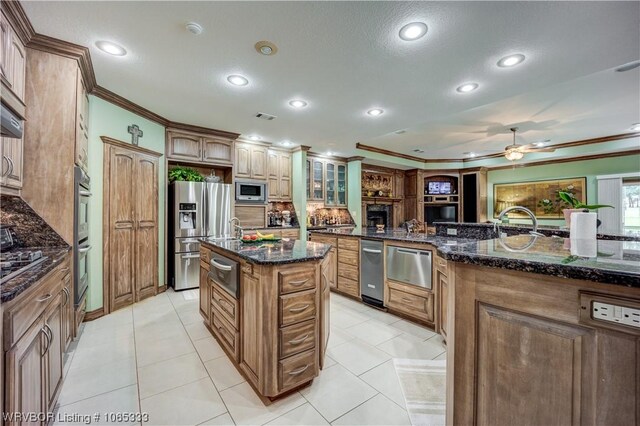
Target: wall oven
point(81, 244)
point(251, 192)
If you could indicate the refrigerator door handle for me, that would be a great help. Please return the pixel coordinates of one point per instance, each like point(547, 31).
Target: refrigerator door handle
point(204, 211)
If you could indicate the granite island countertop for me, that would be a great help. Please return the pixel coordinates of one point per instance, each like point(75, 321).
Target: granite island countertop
point(20, 283)
point(271, 253)
point(606, 261)
point(396, 234)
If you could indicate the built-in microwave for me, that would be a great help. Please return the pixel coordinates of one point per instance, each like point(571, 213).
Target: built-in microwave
point(251, 192)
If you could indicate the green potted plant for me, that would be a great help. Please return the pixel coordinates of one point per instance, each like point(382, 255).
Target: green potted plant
point(576, 205)
point(181, 173)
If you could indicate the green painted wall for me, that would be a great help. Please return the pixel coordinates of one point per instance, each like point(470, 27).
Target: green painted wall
point(106, 119)
point(354, 191)
point(588, 168)
point(299, 189)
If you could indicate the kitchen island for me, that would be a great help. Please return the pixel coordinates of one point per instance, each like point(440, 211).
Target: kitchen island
point(267, 304)
point(543, 330)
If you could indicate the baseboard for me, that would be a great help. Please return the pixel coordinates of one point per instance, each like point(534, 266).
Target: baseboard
point(93, 315)
point(162, 289)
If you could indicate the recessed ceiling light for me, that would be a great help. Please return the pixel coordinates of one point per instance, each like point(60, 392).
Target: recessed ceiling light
point(255, 138)
point(418, 150)
point(375, 112)
point(329, 153)
point(542, 143)
point(511, 60)
point(399, 132)
point(467, 87)
point(111, 48)
point(194, 28)
point(413, 31)
point(635, 127)
point(286, 143)
point(298, 103)
point(237, 80)
point(266, 48)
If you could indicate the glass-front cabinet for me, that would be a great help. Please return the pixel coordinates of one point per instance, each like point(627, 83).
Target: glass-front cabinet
point(315, 179)
point(330, 198)
point(341, 185)
point(327, 181)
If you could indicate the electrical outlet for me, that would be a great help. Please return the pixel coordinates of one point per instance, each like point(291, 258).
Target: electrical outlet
point(452, 231)
point(616, 314)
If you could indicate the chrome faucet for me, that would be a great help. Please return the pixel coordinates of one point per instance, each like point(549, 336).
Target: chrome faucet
point(496, 224)
point(237, 229)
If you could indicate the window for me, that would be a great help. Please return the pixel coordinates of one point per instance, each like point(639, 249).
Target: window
point(631, 206)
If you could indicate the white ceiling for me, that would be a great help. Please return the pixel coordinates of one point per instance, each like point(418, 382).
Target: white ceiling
point(346, 57)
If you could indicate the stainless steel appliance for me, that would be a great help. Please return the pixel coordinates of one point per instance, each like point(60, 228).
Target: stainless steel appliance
point(409, 266)
point(251, 192)
point(11, 124)
point(225, 273)
point(372, 272)
point(81, 246)
point(196, 210)
point(13, 263)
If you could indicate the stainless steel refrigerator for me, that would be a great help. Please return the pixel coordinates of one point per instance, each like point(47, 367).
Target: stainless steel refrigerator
point(196, 210)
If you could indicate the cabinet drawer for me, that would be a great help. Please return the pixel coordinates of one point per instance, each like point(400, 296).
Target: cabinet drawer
point(324, 240)
point(349, 244)
point(297, 370)
point(350, 257)
point(296, 280)
point(20, 317)
point(226, 305)
point(349, 286)
point(418, 306)
point(205, 255)
point(227, 335)
point(297, 307)
point(297, 338)
point(441, 264)
point(348, 271)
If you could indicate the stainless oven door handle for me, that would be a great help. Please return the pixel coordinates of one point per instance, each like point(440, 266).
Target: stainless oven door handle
point(192, 256)
point(220, 266)
point(85, 193)
point(366, 250)
point(84, 249)
point(190, 241)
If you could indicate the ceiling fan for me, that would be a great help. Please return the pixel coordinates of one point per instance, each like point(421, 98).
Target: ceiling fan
point(515, 151)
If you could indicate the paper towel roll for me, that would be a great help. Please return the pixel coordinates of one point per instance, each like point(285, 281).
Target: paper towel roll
point(583, 226)
point(584, 248)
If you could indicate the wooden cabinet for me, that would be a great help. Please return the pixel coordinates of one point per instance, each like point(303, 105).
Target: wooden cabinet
point(82, 124)
point(204, 288)
point(251, 215)
point(327, 281)
point(442, 292)
point(131, 217)
point(12, 162)
point(199, 148)
point(348, 266)
point(13, 60)
point(53, 324)
point(251, 161)
point(279, 175)
point(315, 179)
point(336, 181)
point(68, 320)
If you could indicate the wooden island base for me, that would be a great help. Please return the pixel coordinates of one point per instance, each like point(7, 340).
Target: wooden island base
point(276, 331)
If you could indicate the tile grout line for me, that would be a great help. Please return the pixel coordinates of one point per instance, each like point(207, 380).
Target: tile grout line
point(363, 402)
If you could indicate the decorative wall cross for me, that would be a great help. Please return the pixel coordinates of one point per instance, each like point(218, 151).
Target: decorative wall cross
point(135, 133)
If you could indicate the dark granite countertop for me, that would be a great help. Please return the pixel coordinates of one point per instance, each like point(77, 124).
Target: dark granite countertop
point(20, 283)
point(396, 234)
point(605, 261)
point(273, 253)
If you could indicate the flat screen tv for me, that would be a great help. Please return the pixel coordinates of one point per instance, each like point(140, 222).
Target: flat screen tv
point(440, 214)
point(434, 187)
point(437, 188)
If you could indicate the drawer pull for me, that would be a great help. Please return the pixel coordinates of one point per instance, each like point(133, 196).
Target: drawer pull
point(48, 342)
point(223, 304)
point(299, 341)
point(220, 266)
point(67, 296)
point(44, 298)
point(406, 299)
point(300, 309)
point(298, 283)
point(299, 371)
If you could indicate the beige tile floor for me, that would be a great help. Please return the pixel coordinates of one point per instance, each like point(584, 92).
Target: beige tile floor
point(158, 358)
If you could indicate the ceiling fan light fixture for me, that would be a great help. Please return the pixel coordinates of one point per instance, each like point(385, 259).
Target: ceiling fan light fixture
point(513, 155)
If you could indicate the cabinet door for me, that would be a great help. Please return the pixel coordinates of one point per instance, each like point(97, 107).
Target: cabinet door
point(443, 297)
point(258, 162)
point(12, 151)
point(5, 58)
point(243, 161)
point(26, 372)
point(18, 64)
point(217, 151)
point(67, 311)
point(330, 197)
point(146, 216)
point(122, 196)
point(326, 272)
point(53, 356)
point(341, 185)
point(204, 293)
point(317, 180)
point(273, 175)
point(308, 179)
point(82, 120)
point(184, 147)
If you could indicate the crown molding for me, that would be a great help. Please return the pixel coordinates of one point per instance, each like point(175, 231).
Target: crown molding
point(355, 158)
point(124, 103)
point(199, 129)
point(326, 157)
point(19, 20)
point(68, 50)
point(127, 145)
point(566, 160)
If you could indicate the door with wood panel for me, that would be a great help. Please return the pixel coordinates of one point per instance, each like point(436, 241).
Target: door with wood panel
point(146, 222)
point(122, 239)
point(218, 151)
point(273, 175)
point(243, 160)
point(258, 162)
point(184, 147)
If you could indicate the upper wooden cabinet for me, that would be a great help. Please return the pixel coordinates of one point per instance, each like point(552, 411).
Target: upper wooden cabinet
point(199, 148)
point(327, 181)
point(279, 175)
point(12, 167)
point(12, 61)
point(251, 161)
point(82, 123)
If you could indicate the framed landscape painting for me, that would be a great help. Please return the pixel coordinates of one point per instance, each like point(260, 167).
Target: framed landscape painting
point(541, 197)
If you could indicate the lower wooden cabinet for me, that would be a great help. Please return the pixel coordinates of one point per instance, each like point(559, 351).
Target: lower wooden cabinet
point(327, 276)
point(442, 294)
point(53, 324)
point(409, 300)
point(204, 290)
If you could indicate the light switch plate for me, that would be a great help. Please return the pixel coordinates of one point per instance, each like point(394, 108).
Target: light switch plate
point(452, 231)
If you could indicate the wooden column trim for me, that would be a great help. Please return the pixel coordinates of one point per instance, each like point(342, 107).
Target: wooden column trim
point(127, 145)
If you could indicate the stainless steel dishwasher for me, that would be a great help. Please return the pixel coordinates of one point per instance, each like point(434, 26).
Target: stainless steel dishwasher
point(372, 272)
point(409, 266)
